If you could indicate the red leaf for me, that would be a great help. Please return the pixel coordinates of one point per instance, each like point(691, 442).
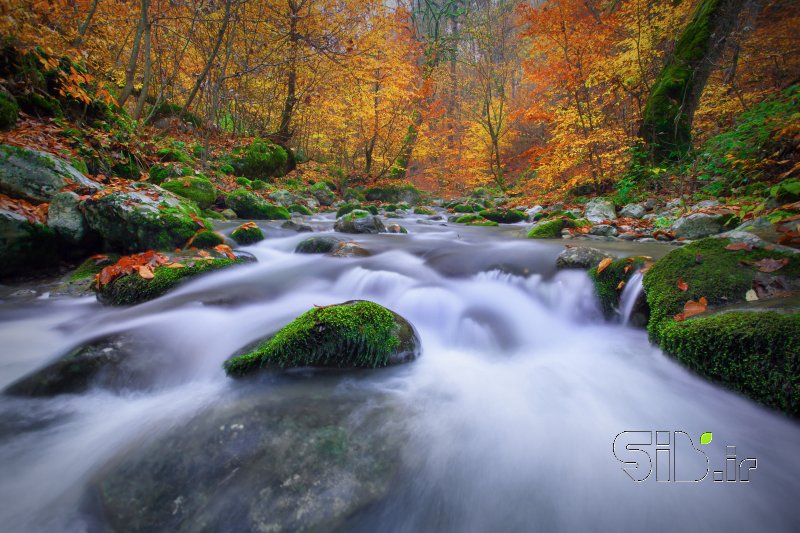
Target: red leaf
point(604, 264)
point(771, 265)
point(682, 285)
point(739, 246)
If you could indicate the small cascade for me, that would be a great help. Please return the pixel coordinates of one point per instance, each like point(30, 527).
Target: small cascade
point(630, 294)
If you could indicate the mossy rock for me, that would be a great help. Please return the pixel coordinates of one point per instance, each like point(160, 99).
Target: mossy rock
point(317, 245)
point(346, 208)
point(248, 205)
point(404, 192)
point(9, 111)
point(503, 216)
point(466, 208)
point(133, 289)
point(711, 271)
point(359, 221)
point(549, 229)
point(25, 246)
point(475, 220)
point(755, 353)
point(81, 281)
point(247, 233)
point(207, 239)
point(300, 209)
point(173, 155)
point(163, 172)
point(201, 191)
point(260, 160)
point(354, 334)
point(607, 282)
point(422, 211)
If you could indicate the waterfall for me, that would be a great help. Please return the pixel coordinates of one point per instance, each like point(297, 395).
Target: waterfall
point(630, 294)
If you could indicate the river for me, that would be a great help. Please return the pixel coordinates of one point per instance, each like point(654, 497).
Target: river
point(505, 423)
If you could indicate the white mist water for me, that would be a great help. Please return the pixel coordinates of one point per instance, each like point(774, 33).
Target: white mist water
point(510, 412)
point(631, 293)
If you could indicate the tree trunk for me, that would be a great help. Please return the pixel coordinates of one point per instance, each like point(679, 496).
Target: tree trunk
point(284, 131)
point(148, 71)
point(667, 119)
point(130, 71)
point(220, 36)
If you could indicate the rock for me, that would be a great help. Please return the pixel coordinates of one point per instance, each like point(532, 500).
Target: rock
point(229, 214)
point(633, 211)
point(25, 245)
point(264, 459)
point(599, 210)
point(199, 190)
point(100, 363)
point(317, 245)
point(677, 203)
point(247, 233)
point(603, 230)
point(322, 193)
point(705, 204)
point(503, 216)
point(755, 241)
point(697, 226)
point(581, 257)
point(647, 239)
point(81, 281)
point(533, 211)
point(131, 289)
point(761, 227)
point(396, 228)
point(36, 176)
point(609, 281)
point(294, 226)
point(311, 202)
point(396, 194)
point(359, 222)
point(282, 197)
point(65, 218)
point(145, 217)
point(349, 249)
point(650, 204)
point(549, 229)
point(249, 205)
point(354, 334)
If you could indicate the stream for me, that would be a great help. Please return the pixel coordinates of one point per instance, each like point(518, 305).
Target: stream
point(506, 422)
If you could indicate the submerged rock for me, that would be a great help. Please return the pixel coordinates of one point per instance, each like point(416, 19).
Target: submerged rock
point(349, 249)
point(581, 257)
point(295, 226)
point(317, 245)
point(354, 334)
point(25, 245)
point(247, 233)
point(249, 205)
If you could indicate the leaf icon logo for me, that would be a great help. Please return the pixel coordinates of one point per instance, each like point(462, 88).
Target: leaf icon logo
point(706, 437)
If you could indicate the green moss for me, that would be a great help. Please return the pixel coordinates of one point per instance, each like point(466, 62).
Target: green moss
point(607, 282)
point(91, 267)
point(9, 111)
point(710, 271)
point(165, 110)
point(466, 208)
point(301, 209)
point(354, 334)
point(503, 216)
point(133, 289)
point(248, 205)
point(31, 247)
point(245, 235)
point(173, 155)
point(317, 245)
point(258, 185)
point(346, 208)
point(391, 208)
point(162, 172)
point(549, 229)
point(227, 169)
point(40, 105)
point(422, 211)
point(475, 220)
point(201, 191)
point(207, 239)
point(393, 193)
point(260, 159)
point(213, 214)
point(757, 354)
point(373, 210)
point(244, 182)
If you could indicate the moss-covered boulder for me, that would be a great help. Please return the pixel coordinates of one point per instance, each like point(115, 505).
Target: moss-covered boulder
point(65, 217)
point(322, 193)
point(581, 257)
point(503, 216)
point(144, 217)
point(466, 208)
point(475, 220)
point(359, 221)
point(173, 155)
point(317, 245)
point(133, 288)
point(260, 160)
point(162, 172)
point(9, 111)
point(394, 193)
point(81, 281)
point(611, 280)
point(247, 233)
point(201, 191)
point(300, 209)
point(249, 205)
point(550, 228)
point(206, 239)
point(36, 176)
point(754, 353)
point(354, 334)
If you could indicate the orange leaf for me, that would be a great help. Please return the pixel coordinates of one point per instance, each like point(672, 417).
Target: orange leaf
point(175, 265)
point(146, 272)
point(771, 265)
point(621, 284)
point(739, 246)
point(604, 264)
point(692, 308)
point(682, 285)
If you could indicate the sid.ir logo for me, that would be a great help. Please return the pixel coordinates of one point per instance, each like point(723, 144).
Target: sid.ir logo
point(676, 458)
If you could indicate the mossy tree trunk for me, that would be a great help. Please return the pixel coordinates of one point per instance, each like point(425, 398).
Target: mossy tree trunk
point(669, 111)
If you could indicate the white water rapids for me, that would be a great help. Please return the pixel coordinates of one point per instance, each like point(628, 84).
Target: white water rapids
point(505, 422)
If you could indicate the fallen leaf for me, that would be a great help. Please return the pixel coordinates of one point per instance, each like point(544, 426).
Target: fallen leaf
point(682, 285)
point(621, 284)
point(175, 265)
point(146, 272)
point(739, 246)
point(646, 266)
point(604, 264)
point(751, 296)
point(771, 265)
point(692, 308)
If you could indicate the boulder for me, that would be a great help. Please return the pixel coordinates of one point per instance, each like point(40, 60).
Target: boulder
point(25, 244)
point(65, 218)
point(282, 197)
point(317, 245)
point(599, 209)
point(144, 217)
point(249, 205)
point(359, 222)
point(247, 233)
point(697, 226)
point(581, 257)
point(354, 334)
point(603, 230)
point(349, 249)
point(633, 211)
point(199, 190)
point(36, 176)
point(294, 226)
point(322, 194)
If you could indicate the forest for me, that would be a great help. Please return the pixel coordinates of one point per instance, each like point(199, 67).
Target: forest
point(399, 265)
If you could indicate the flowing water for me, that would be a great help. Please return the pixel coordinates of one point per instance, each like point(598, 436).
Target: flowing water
point(505, 423)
